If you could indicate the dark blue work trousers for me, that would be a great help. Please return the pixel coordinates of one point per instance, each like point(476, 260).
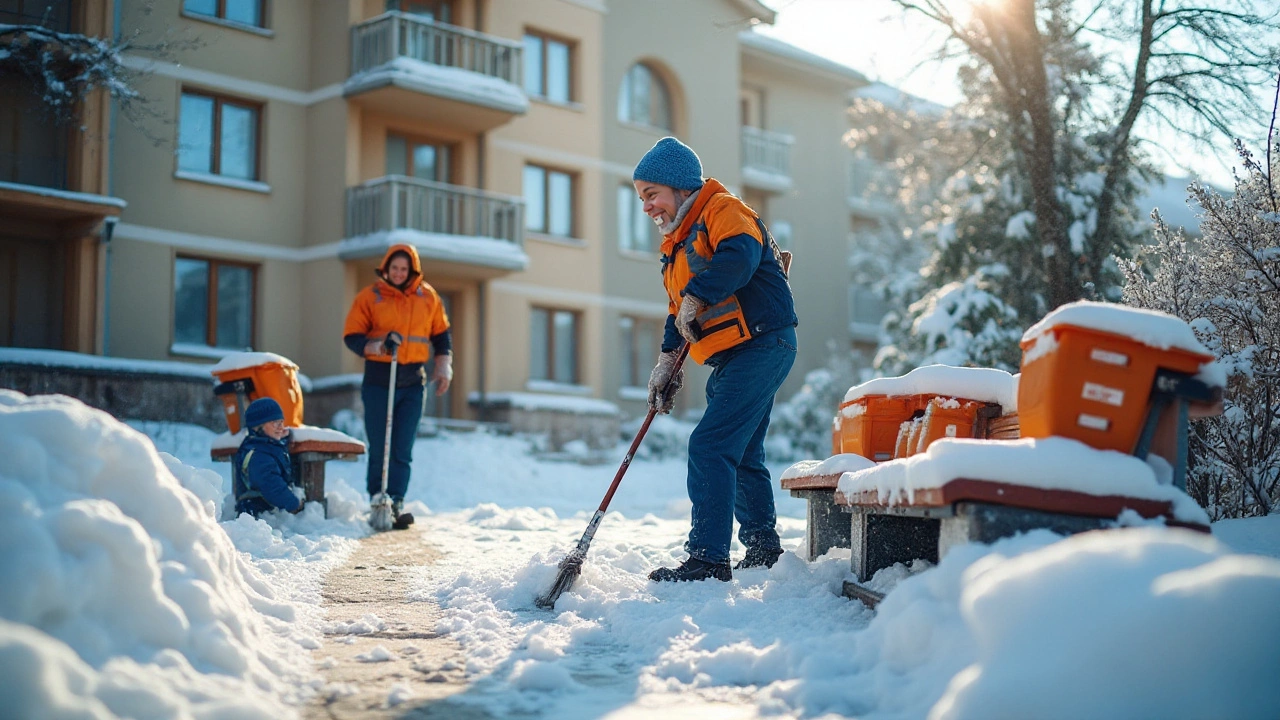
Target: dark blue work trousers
point(727, 475)
point(404, 430)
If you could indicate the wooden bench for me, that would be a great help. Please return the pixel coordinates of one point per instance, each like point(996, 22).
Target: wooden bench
point(826, 526)
point(309, 458)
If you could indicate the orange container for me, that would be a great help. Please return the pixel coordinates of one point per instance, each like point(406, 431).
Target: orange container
point(1094, 387)
point(869, 424)
point(946, 417)
point(835, 435)
point(900, 447)
point(273, 380)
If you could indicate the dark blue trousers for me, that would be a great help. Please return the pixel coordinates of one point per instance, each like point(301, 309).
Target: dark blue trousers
point(727, 475)
point(404, 430)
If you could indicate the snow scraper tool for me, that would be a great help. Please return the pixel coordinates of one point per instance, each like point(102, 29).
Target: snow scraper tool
point(381, 511)
point(571, 566)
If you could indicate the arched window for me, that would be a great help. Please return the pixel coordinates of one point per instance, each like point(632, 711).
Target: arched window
point(644, 99)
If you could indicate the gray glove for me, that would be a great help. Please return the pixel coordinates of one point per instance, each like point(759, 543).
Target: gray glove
point(663, 386)
point(686, 317)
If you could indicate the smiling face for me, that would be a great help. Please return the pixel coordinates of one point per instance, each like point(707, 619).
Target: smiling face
point(275, 429)
point(660, 201)
point(398, 270)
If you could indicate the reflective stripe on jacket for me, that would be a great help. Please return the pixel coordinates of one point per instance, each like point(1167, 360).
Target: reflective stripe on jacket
point(722, 254)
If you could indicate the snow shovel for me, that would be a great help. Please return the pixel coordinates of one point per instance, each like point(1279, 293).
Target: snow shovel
point(381, 511)
point(571, 566)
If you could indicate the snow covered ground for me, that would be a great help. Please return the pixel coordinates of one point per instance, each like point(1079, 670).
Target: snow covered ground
point(121, 594)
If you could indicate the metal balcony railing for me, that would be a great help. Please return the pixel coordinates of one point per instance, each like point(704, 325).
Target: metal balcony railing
point(394, 35)
point(397, 202)
point(766, 150)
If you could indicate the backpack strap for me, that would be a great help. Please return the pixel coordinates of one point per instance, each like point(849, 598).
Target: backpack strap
point(243, 491)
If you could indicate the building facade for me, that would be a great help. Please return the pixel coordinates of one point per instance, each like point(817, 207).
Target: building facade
point(297, 140)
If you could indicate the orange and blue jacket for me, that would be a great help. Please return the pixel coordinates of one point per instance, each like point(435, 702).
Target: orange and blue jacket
point(416, 312)
point(722, 254)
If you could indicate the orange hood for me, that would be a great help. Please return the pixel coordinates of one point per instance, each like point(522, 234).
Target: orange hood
point(415, 266)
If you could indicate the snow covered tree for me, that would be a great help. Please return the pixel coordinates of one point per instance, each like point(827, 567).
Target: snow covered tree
point(1226, 284)
point(1038, 169)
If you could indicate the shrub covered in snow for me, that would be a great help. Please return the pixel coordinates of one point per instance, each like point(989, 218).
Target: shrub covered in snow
point(1226, 285)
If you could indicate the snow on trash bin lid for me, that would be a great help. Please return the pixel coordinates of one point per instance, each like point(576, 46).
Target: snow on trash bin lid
point(242, 360)
point(1152, 328)
point(980, 384)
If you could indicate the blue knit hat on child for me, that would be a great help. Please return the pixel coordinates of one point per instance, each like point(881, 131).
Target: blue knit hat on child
point(672, 163)
point(261, 412)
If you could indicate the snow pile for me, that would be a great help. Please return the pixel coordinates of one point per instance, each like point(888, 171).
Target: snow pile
point(981, 384)
point(121, 593)
point(1152, 328)
point(246, 360)
point(1052, 463)
point(834, 465)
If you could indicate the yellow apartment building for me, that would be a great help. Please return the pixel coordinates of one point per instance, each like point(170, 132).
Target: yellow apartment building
point(300, 138)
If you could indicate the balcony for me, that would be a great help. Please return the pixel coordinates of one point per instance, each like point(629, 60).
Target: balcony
point(873, 186)
point(478, 231)
point(451, 76)
point(766, 159)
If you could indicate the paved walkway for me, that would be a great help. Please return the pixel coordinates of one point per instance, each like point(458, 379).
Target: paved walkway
point(406, 659)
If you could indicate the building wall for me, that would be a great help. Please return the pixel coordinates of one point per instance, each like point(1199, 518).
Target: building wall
point(316, 144)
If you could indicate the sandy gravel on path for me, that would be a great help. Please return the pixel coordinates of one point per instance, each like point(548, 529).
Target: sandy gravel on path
point(392, 668)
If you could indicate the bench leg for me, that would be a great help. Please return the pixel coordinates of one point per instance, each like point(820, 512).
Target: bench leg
point(827, 525)
point(879, 541)
point(981, 523)
point(311, 475)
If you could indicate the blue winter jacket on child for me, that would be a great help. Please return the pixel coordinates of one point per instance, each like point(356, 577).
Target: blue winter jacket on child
point(261, 473)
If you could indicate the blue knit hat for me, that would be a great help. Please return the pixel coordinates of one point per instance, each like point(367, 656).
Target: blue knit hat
point(262, 411)
point(672, 163)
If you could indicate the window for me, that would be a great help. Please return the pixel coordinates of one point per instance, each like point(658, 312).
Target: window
point(548, 68)
point(218, 136)
point(636, 231)
point(245, 12)
point(213, 303)
point(640, 343)
point(433, 10)
point(644, 99)
point(548, 201)
point(553, 352)
point(418, 159)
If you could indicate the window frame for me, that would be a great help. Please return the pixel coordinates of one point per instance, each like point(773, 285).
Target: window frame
point(547, 172)
point(628, 325)
point(571, 81)
point(215, 162)
point(656, 81)
point(551, 312)
point(220, 15)
point(413, 141)
point(211, 298)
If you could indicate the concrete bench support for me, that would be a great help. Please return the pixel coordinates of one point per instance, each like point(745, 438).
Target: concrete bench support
point(878, 541)
point(826, 525)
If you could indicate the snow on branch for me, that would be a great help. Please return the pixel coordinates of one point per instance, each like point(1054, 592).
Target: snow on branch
point(64, 67)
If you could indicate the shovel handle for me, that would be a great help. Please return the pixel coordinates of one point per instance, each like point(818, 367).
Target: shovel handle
point(644, 428)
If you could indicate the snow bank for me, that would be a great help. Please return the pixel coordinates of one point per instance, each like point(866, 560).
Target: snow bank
point(1052, 463)
point(981, 384)
point(122, 596)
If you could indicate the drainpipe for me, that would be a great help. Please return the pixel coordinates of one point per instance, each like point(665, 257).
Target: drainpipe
point(483, 410)
point(108, 229)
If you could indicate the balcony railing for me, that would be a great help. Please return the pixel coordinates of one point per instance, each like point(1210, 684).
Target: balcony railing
point(405, 203)
point(394, 35)
point(766, 151)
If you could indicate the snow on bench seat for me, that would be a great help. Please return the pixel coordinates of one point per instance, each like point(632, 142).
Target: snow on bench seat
point(303, 439)
point(1052, 474)
point(822, 474)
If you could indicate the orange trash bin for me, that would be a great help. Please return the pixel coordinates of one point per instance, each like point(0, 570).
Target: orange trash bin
point(268, 375)
point(946, 417)
point(869, 424)
point(1092, 385)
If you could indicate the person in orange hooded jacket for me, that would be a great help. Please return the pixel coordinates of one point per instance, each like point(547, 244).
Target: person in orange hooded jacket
point(401, 314)
point(726, 283)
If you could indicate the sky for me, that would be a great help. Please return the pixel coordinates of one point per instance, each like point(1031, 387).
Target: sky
point(886, 44)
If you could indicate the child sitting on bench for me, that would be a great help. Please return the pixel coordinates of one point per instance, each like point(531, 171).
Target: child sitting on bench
point(261, 471)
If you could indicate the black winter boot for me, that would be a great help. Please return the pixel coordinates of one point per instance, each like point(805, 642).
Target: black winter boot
point(693, 569)
point(759, 557)
point(402, 519)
